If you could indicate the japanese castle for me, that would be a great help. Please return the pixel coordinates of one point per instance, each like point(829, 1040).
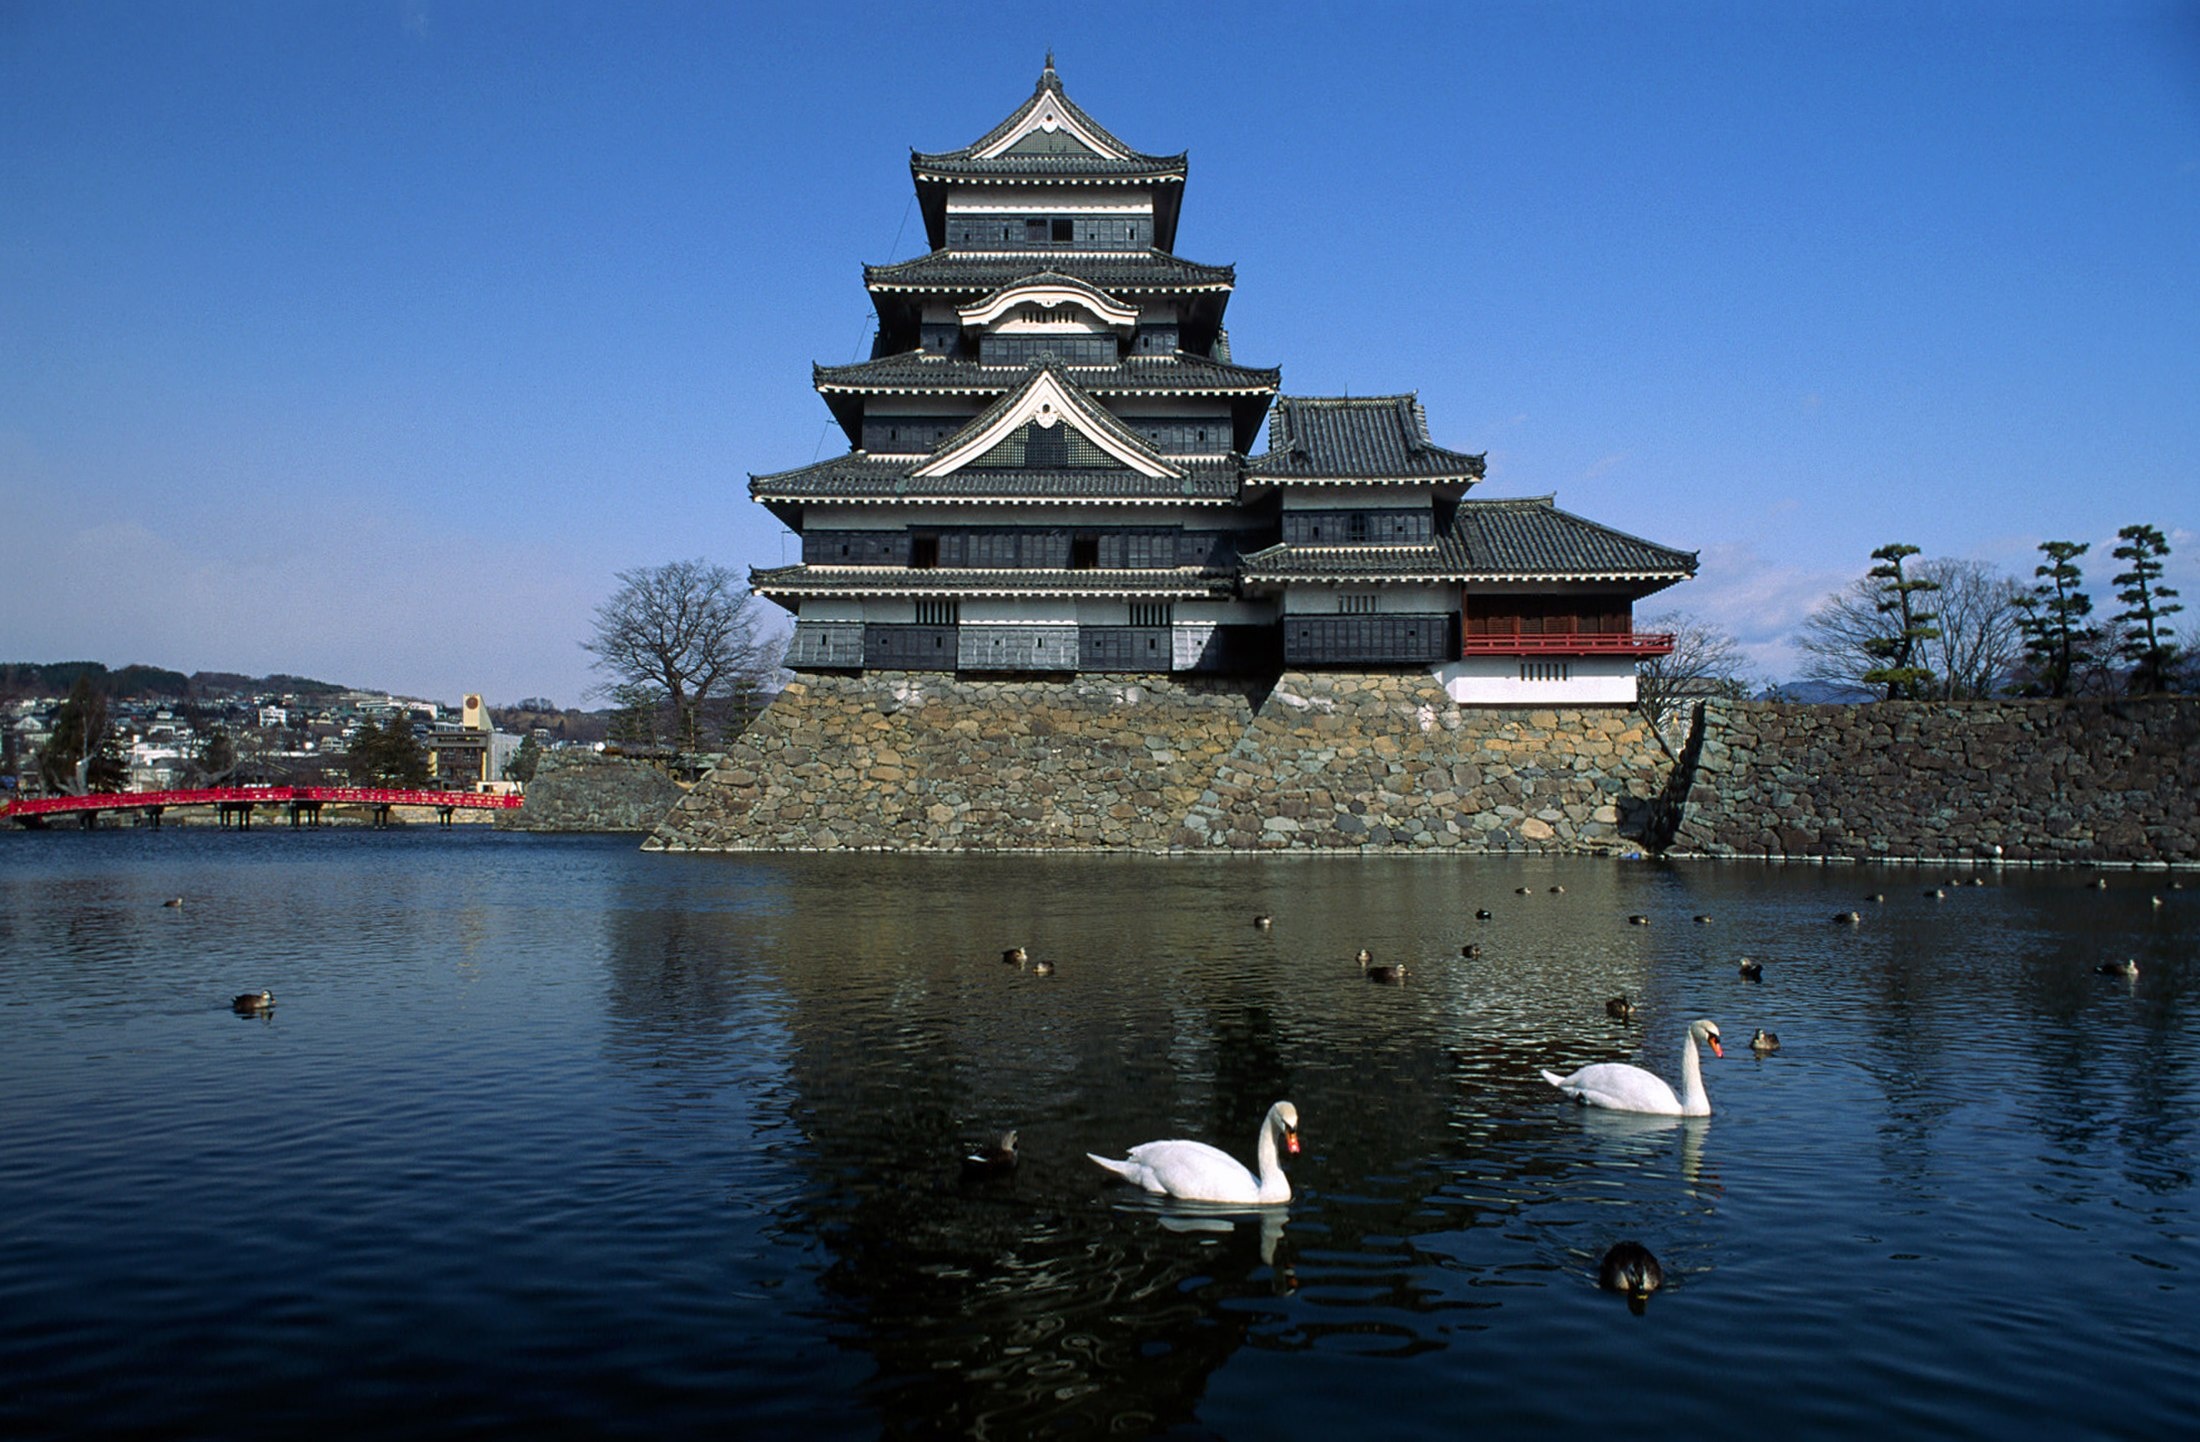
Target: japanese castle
point(1056, 465)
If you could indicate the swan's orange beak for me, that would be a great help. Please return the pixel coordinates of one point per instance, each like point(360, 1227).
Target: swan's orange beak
point(1291, 1141)
point(1716, 1049)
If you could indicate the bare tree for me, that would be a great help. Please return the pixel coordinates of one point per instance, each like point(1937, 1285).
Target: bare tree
point(1981, 640)
point(1970, 650)
point(688, 633)
point(1706, 661)
point(1834, 637)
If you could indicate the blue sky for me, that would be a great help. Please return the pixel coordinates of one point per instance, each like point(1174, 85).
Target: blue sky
point(368, 339)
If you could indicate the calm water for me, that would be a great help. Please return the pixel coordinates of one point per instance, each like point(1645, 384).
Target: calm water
point(546, 1136)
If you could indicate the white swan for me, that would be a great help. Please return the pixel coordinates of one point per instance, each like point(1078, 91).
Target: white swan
point(1623, 1088)
point(1196, 1172)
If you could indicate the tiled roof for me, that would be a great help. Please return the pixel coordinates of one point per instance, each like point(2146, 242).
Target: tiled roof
point(1117, 272)
point(1489, 540)
point(967, 161)
point(1356, 438)
point(1134, 375)
point(803, 580)
point(858, 477)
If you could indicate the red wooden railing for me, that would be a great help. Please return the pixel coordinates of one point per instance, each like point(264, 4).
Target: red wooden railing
point(1580, 643)
point(257, 796)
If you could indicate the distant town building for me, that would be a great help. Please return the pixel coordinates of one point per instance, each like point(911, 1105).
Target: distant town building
point(1049, 470)
point(471, 753)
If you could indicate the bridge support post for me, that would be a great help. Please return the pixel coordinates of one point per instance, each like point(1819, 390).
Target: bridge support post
point(152, 816)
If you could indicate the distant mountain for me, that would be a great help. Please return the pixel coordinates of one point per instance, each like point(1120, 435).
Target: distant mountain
point(1822, 693)
point(19, 679)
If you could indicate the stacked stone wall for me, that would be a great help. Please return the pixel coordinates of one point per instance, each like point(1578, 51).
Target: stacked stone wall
point(1320, 762)
point(2045, 781)
point(578, 790)
point(1356, 762)
point(920, 761)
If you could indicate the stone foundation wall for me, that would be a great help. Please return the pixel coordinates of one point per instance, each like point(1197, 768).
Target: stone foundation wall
point(1351, 762)
point(1345, 761)
point(577, 790)
point(2049, 781)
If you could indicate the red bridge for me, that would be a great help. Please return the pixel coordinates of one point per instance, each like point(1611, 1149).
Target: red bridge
point(236, 803)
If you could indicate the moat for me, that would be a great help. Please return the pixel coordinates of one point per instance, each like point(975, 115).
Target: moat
point(544, 1134)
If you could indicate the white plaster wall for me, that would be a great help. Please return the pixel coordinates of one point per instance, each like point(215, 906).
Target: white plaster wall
point(1225, 613)
point(1495, 681)
point(1021, 200)
point(844, 609)
point(1019, 611)
point(1390, 599)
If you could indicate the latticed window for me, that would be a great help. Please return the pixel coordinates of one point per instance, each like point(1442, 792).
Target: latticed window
point(1546, 671)
point(1151, 613)
point(1356, 603)
point(938, 613)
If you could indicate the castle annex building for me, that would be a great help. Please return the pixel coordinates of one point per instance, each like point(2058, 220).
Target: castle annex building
point(1057, 466)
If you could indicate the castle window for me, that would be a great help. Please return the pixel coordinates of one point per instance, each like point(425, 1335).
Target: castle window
point(1151, 613)
point(1035, 230)
point(1546, 670)
point(938, 613)
point(1356, 603)
point(924, 552)
point(1064, 232)
point(1084, 552)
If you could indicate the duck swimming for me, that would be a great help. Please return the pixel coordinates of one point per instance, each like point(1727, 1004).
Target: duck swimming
point(2118, 968)
point(1752, 970)
point(1620, 1007)
point(1629, 1267)
point(252, 1003)
point(1015, 956)
point(1764, 1043)
point(996, 1160)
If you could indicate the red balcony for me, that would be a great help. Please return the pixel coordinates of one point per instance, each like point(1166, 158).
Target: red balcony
point(1581, 643)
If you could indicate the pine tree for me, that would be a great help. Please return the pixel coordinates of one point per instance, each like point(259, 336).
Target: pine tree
point(2058, 638)
point(2150, 648)
point(1897, 651)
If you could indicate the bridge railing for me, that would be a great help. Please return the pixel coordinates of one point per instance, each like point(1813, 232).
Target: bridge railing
point(259, 796)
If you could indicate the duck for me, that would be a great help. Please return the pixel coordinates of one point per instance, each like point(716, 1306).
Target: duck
point(1197, 1172)
point(1702, 920)
point(1481, 913)
point(1264, 922)
point(2157, 901)
point(1629, 1267)
point(1638, 919)
point(1520, 891)
point(1978, 881)
point(1617, 1086)
point(997, 1160)
point(1363, 956)
point(1558, 891)
point(1042, 968)
point(1763, 1042)
point(1620, 1007)
point(1936, 893)
point(1848, 918)
point(2118, 968)
point(252, 1003)
point(1752, 970)
point(2100, 883)
point(1471, 950)
point(1388, 975)
point(173, 901)
point(1015, 956)
point(1876, 896)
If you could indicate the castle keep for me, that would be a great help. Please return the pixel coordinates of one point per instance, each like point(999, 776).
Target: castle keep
point(1053, 471)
